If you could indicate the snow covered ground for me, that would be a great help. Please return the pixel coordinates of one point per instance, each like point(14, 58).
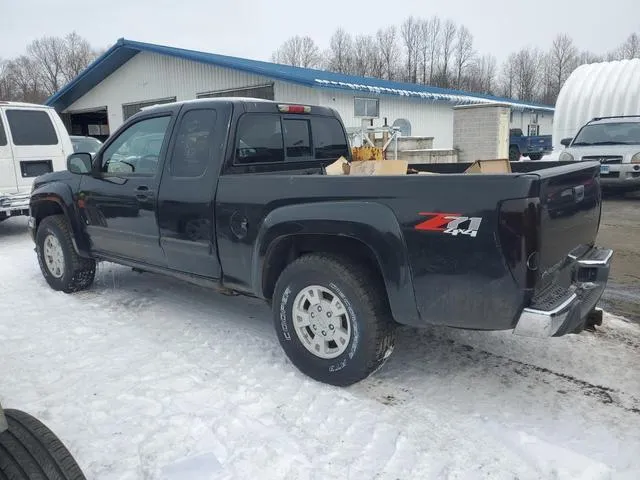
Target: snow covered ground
point(144, 377)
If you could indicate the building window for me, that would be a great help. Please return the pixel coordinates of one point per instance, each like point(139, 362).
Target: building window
point(31, 127)
point(130, 109)
point(366, 107)
point(264, 92)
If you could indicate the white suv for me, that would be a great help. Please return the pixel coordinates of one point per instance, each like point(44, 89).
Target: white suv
point(615, 143)
point(33, 141)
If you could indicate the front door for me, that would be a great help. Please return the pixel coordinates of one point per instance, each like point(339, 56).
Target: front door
point(8, 180)
point(186, 198)
point(120, 203)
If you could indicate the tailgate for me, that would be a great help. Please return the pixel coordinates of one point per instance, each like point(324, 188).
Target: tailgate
point(570, 202)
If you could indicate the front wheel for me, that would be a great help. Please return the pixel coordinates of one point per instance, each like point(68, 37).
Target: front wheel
point(332, 319)
point(535, 156)
point(63, 269)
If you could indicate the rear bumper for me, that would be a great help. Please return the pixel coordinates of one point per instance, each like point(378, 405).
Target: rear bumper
point(559, 310)
point(14, 205)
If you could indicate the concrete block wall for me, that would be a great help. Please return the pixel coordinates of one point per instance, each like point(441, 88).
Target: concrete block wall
point(481, 132)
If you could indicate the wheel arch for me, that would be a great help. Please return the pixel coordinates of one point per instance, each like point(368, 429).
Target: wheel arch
point(59, 201)
point(365, 231)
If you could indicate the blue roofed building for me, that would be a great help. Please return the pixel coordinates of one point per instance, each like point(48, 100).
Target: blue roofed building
point(132, 75)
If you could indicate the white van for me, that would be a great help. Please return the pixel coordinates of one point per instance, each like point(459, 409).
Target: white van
point(33, 141)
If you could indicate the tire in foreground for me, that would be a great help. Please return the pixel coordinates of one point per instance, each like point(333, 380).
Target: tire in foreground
point(29, 450)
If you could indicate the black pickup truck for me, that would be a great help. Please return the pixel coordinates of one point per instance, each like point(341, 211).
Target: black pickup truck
point(233, 194)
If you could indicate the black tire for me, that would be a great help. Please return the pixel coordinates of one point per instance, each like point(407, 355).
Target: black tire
point(535, 156)
point(364, 298)
point(78, 273)
point(29, 450)
point(514, 153)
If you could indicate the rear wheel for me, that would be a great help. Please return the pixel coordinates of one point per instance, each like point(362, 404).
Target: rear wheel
point(63, 269)
point(514, 154)
point(29, 450)
point(535, 156)
point(332, 319)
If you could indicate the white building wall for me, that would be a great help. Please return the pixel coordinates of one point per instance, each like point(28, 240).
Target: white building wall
point(523, 119)
point(427, 119)
point(149, 76)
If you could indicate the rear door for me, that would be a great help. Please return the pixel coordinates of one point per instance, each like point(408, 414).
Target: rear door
point(186, 213)
point(36, 144)
point(8, 181)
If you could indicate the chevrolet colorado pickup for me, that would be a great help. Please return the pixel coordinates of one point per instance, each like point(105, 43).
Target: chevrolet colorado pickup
point(232, 193)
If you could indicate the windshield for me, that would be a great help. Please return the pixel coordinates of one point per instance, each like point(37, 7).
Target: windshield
point(86, 145)
point(623, 133)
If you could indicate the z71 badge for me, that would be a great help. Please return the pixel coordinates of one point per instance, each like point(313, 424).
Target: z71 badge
point(450, 223)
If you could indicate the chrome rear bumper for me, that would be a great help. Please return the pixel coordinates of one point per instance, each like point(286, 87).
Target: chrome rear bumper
point(559, 310)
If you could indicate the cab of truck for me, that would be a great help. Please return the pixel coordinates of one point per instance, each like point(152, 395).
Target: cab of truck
point(33, 141)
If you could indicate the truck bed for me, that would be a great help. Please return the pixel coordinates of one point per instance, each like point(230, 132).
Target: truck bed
point(519, 216)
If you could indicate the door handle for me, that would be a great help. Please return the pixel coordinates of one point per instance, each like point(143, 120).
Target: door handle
point(143, 192)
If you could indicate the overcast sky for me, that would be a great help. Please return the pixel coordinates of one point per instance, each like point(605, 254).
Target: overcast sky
point(254, 28)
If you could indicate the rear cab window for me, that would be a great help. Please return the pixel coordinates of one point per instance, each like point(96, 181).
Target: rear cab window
point(31, 127)
point(268, 138)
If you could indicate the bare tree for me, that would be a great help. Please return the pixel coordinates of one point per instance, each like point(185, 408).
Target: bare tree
point(586, 57)
point(49, 54)
point(448, 40)
point(508, 77)
point(299, 52)
point(429, 43)
point(527, 79)
point(364, 56)
point(548, 79)
point(482, 74)
point(6, 84)
point(340, 56)
point(463, 53)
point(25, 76)
point(389, 51)
point(434, 44)
point(410, 32)
point(631, 47)
point(77, 55)
point(562, 60)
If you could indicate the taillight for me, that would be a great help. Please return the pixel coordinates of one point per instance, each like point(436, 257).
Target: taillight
point(518, 232)
point(294, 108)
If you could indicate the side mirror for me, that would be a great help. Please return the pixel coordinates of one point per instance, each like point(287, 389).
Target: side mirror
point(566, 141)
point(79, 163)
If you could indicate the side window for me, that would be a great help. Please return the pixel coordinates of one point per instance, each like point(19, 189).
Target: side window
point(3, 136)
point(329, 139)
point(192, 150)
point(297, 138)
point(137, 149)
point(259, 139)
point(31, 127)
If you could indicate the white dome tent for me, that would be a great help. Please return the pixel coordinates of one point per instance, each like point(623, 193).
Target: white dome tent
point(593, 90)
